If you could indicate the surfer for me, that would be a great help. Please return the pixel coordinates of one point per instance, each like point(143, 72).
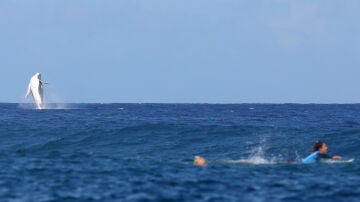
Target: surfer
point(319, 151)
point(199, 161)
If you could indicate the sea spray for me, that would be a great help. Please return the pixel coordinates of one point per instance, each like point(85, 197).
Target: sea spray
point(256, 156)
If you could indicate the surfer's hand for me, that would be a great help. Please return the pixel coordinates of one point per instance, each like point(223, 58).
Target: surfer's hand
point(336, 157)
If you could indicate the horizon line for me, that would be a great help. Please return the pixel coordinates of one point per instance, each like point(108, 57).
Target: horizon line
point(210, 103)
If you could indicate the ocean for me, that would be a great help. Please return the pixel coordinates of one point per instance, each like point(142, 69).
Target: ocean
point(145, 152)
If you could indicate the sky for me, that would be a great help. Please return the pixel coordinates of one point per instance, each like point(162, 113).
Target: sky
point(182, 51)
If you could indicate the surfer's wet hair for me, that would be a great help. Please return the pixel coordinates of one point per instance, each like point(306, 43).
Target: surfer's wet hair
point(317, 145)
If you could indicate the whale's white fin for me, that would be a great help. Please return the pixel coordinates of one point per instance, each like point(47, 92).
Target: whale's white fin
point(28, 91)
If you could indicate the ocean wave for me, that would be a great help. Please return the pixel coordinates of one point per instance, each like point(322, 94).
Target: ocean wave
point(119, 152)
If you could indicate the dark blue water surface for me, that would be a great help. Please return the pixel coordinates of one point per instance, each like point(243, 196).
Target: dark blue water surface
point(144, 152)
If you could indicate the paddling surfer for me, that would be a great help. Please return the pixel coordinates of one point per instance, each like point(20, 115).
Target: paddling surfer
point(319, 152)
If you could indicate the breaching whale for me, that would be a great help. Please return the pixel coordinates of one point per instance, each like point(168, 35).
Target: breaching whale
point(35, 88)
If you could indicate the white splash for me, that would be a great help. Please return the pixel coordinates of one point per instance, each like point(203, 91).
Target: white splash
point(256, 157)
point(58, 106)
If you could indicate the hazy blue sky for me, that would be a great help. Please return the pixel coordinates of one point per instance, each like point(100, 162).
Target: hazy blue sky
point(213, 51)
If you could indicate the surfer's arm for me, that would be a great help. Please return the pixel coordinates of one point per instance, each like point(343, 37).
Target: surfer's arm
point(323, 156)
point(326, 156)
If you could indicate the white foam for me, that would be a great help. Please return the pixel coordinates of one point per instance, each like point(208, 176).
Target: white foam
point(47, 106)
point(256, 157)
point(256, 160)
point(57, 106)
point(26, 106)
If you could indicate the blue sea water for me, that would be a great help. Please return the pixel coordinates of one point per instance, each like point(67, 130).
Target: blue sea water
point(144, 152)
